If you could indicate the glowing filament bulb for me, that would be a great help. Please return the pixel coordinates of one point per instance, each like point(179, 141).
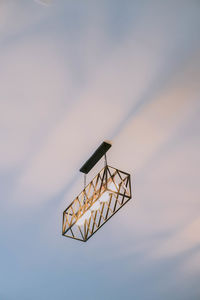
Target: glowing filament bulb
point(104, 197)
point(84, 217)
point(95, 206)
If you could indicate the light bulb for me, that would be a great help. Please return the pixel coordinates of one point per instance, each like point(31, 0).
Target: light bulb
point(104, 197)
point(84, 217)
point(95, 206)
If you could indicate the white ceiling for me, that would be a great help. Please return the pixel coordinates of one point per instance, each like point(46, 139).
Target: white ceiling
point(74, 74)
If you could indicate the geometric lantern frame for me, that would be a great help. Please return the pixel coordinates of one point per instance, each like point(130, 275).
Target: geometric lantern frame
point(108, 191)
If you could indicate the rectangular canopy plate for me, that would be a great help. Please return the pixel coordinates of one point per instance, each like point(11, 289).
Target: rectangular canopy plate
point(96, 156)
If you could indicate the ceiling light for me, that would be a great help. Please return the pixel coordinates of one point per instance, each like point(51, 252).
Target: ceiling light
point(108, 191)
point(84, 217)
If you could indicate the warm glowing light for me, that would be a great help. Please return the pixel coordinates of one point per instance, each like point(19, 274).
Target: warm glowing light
point(95, 206)
point(99, 200)
point(84, 217)
point(104, 197)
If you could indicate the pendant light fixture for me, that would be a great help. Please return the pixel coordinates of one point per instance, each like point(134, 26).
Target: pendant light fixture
point(108, 191)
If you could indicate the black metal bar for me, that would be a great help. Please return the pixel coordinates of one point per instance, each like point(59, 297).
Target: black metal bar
point(96, 156)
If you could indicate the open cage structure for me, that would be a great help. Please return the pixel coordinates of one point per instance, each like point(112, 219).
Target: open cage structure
point(109, 190)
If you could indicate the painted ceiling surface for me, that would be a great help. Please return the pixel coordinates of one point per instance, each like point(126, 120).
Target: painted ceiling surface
point(75, 73)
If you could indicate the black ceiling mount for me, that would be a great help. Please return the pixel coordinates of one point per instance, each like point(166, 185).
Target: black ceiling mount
point(96, 156)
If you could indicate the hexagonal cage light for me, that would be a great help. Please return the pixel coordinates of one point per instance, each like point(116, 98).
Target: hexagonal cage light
point(108, 191)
